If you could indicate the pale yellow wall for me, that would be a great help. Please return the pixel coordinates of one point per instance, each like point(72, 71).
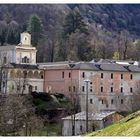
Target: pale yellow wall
point(30, 53)
point(15, 54)
point(25, 38)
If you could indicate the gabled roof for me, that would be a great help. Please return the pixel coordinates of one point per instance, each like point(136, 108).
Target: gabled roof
point(112, 67)
point(91, 116)
point(85, 66)
point(94, 65)
point(134, 68)
point(55, 65)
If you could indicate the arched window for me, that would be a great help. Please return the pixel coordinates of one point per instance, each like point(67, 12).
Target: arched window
point(36, 74)
point(25, 59)
point(41, 74)
point(18, 74)
point(12, 74)
point(30, 74)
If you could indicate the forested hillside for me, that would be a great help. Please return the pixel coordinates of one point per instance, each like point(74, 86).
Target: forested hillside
point(74, 31)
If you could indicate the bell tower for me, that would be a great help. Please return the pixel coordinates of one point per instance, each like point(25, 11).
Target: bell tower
point(25, 39)
point(25, 52)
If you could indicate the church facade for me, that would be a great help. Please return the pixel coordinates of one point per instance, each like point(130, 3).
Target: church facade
point(19, 72)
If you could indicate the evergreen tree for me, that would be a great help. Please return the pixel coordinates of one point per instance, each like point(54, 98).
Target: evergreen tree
point(73, 22)
point(3, 31)
point(74, 42)
point(35, 28)
point(13, 33)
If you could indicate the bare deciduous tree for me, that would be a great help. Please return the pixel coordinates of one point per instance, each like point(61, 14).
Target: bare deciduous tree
point(18, 115)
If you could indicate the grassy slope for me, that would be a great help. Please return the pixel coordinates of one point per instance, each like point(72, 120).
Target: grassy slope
point(129, 126)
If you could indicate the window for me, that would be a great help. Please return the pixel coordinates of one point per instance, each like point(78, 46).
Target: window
point(83, 74)
point(93, 128)
point(102, 101)
point(74, 89)
point(91, 102)
point(112, 101)
point(121, 101)
point(3, 84)
point(24, 87)
point(131, 76)
point(83, 88)
point(41, 76)
point(73, 130)
point(18, 88)
point(4, 60)
point(121, 89)
point(13, 87)
point(111, 89)
point(69, 89)
point(102, 75)
point(81, 127)
point(131, 90)
point(91, 83)
point(35, 87)
point(91, 90)
point(101, 89)
point(25, 74)
point(121, 76)
point(63, 74)
point(25, 60)
point(69, 75)
point(111, 75)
